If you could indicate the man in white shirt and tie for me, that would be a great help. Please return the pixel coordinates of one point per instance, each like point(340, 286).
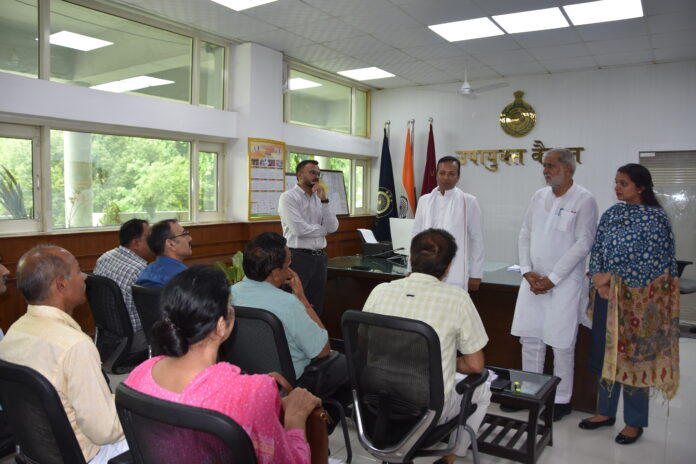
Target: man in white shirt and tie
point(306, 217)
point(448, 207)
point(556, 236)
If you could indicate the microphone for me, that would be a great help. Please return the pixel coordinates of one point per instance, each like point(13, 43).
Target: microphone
point(384, 252)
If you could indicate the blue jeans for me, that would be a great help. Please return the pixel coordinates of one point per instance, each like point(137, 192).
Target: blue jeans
point(636, 401)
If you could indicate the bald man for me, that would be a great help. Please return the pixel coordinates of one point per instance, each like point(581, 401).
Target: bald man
point(48, 340)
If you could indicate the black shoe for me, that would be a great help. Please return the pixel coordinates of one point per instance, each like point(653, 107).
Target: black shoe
point(622, 439)
point(509, 408)
point(560, 410)
point(587, 424)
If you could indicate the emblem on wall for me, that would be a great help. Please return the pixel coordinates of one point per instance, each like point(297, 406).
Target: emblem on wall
point(385, 202)
point(518, 118)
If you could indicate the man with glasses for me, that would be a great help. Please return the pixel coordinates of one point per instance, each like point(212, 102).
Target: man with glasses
point(171, 244)
point(306, 218)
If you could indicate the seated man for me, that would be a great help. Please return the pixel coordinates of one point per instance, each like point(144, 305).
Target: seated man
point(123, 265)
point(48, 340)
point(171, 244)
point(449, 311)
point(267, 266)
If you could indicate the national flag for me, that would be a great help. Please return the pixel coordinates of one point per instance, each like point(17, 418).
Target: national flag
point(407, 179)
point(429, 179)
point(386, 204)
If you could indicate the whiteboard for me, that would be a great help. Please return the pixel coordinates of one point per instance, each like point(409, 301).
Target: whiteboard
point(337, 189)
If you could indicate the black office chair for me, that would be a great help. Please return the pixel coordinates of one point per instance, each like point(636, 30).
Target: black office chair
point(146, 301)
point(160, 431)
point(258, 345)
point(398, 394)
point(114, 334)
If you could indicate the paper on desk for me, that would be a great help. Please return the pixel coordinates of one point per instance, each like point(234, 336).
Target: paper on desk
point(514, 268)
point(458, 376)
point(367, 235)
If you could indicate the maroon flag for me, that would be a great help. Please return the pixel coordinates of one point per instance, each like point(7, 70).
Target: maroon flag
point(429, 180)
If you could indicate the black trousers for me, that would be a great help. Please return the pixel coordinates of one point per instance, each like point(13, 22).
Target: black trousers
point(312, 271)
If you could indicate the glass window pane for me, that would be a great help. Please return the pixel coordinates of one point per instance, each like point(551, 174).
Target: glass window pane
point(318, 103)
point(212, 59)
point(296, 158)
point(19, 28)
point(360, 113)
point(16, 186)
point(359, 180)
point(100, 180)
point(342, 164)
point(207, 180)
point(130, 57)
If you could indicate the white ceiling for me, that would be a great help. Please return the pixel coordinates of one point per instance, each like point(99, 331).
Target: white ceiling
point(335, 35)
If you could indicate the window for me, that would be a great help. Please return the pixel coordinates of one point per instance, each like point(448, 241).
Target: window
point(18, 151)
point(326, 104)
point(19, 25)
point(354, 175)
point(212, 75)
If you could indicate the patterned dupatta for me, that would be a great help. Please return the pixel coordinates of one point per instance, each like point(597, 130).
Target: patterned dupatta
point(642, 338)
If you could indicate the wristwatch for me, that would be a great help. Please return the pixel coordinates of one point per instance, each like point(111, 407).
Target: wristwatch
point(325, 201)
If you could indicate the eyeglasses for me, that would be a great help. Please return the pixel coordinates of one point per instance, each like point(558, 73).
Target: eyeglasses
point(315, 173)
point(185, 233)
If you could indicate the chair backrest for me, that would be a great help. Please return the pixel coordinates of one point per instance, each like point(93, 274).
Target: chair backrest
point(109, 313)
point(146, 301)
point(258, 344)
point(160, 431)
point(36, 416)
point(396, 378)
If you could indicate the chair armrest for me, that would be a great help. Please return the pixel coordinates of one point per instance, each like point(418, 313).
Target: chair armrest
point(472, 381)
point(319, 364)
point(123, 458)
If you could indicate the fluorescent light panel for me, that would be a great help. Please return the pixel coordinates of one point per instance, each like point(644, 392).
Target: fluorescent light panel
point(603, 11)
point(366, 74)
point(239, 5)
point(81, 42)
point(298, 83)
point(132, 83)
point(535, 20)
point(467, 30)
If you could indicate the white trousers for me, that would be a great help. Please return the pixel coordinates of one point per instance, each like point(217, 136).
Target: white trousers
point(533, 356)
point(109, 451)
point(482, 399)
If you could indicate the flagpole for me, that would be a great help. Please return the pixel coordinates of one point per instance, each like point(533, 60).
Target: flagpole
point(412, 124)
point(387, 127)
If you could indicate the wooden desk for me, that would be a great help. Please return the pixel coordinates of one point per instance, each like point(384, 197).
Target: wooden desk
point(348, 288)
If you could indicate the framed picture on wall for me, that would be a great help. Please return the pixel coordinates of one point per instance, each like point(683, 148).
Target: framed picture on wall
point(266, 178)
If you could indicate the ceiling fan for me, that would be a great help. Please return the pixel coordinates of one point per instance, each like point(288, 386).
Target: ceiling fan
point(470, 92)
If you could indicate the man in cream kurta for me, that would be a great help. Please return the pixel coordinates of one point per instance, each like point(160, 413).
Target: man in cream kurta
point(556, 237)
point(449, 208)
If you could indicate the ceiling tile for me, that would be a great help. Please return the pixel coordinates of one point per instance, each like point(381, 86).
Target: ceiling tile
point(560, 51)
point(356, 45)
point(675, 53)
point(497, 7)
point(443, 11)
point(412, 37)
point(326, 30)
point(673, 39)
point(313, 53)
point(623, 58)
point(413, 67)
point(381, 19)
point(457, 63)
point(343, 7)
point(619, 45)
point(382, 58)
point(567, 64)
point(279, 40)
point(340, 63)
point(434, 51)
point(653, 7)
point(509, 56)
point(548, 38)
point(488, 44)
point(613, 29)
point(285, 13)
point(672, 22)
point(391, 82)
point(530, 67)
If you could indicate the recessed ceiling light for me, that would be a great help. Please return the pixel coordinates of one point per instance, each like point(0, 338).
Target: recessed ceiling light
point(239, 5)
point(467, 30)
point(366, 74)
point(603, 11)
point(297, 83)
point(77, 41)
point(132, 83)
point(535, 20)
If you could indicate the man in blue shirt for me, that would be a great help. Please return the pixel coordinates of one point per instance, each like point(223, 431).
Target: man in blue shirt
point(171, 244)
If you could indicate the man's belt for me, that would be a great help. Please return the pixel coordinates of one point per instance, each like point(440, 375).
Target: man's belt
point(308, 251)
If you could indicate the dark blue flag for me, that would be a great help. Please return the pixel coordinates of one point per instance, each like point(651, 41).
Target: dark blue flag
point(386, 199)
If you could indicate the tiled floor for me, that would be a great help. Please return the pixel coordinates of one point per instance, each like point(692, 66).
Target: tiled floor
point(670, 438)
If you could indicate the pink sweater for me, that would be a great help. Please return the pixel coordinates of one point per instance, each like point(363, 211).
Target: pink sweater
point(251, 400)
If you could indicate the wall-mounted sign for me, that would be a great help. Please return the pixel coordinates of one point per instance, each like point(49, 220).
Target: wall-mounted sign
point(266, 178)
point(510, 156)
point(518, 118)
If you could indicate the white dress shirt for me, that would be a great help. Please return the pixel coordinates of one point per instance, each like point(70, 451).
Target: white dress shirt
point(305, 219)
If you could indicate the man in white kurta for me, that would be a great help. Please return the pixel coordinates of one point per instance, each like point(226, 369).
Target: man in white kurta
point(556, 237)
point(449, 208)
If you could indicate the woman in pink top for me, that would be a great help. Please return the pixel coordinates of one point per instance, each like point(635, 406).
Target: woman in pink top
point(198, 317)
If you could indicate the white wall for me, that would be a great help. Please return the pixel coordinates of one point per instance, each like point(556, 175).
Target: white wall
point(612, 113)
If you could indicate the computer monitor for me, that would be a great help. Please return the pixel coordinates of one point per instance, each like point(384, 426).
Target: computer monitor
point(401, 234)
